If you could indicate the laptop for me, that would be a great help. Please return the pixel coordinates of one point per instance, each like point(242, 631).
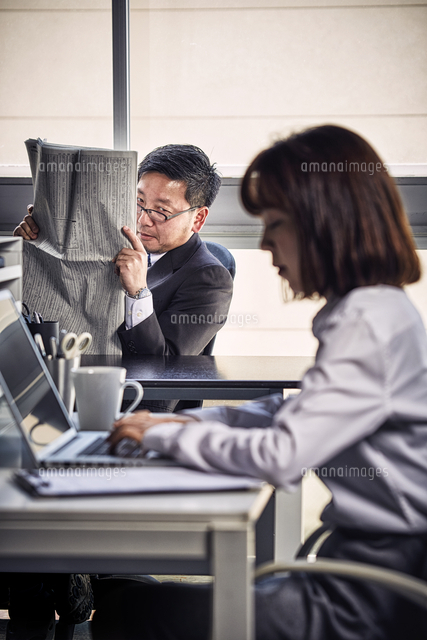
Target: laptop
point(50, 435)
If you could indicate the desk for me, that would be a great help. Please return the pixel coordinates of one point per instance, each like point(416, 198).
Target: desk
point(227, 378)
point(209, 377)
point(206, 533)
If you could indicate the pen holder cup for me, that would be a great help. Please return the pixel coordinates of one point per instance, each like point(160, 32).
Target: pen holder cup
point(46, 330)
point(60, 370)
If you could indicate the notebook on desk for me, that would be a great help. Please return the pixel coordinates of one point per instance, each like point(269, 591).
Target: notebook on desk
point(50, 436)
point(51, 483)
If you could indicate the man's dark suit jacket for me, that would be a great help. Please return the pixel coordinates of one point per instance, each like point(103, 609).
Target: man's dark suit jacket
point(191, 296)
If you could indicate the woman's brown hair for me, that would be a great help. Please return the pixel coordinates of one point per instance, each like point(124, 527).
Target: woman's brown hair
point(350, 222)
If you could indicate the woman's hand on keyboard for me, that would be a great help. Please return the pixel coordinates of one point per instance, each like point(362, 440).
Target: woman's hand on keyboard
point(136, 424)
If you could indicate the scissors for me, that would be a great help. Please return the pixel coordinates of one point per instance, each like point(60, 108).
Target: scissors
point(37, 318)
point(73, 345)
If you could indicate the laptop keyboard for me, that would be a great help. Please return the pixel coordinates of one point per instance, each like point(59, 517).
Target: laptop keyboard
point(100, 446)
point(126, 448)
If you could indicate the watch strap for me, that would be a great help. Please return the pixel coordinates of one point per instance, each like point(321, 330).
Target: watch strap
point(144, 292)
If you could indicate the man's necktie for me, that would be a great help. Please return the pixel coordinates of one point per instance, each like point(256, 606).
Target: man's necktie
point(149, 259)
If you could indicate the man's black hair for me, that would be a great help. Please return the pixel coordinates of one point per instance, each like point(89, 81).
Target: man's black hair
point(190, 165)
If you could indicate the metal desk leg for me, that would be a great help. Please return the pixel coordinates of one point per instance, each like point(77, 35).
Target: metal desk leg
point(288, 519)
point(233, 606)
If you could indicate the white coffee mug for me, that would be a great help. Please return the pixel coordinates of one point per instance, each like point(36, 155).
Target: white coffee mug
point(99, 395)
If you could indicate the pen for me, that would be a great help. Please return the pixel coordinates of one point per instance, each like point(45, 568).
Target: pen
point(60, 353)
point(53, 346)
point(36, 317)
point(39, 342)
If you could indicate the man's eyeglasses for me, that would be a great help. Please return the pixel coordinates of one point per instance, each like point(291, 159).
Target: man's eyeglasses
point(158, 216)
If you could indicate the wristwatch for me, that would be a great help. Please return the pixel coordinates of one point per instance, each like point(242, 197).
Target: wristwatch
point(141, 293)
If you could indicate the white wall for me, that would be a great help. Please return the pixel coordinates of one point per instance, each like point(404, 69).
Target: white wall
point(233, 75)
point(228, 75)
point(55, 74)
point(260, 322)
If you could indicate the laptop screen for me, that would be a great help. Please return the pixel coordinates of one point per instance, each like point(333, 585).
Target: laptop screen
point(44, 417)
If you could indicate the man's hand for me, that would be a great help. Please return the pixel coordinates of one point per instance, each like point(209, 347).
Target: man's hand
point(131, 264)
point(136, 424)
point(27, 229)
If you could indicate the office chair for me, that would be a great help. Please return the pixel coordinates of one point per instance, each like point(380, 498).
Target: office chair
point(405, 585)
point(225, 257)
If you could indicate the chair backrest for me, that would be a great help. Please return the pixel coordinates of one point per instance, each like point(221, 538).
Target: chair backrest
point(223, 255)
point(226, 258)
point(405, 585)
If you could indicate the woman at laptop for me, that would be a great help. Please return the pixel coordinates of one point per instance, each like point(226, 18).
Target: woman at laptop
point(335, 226)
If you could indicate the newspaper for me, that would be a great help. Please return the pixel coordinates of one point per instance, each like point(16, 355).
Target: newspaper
point(82, 199)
